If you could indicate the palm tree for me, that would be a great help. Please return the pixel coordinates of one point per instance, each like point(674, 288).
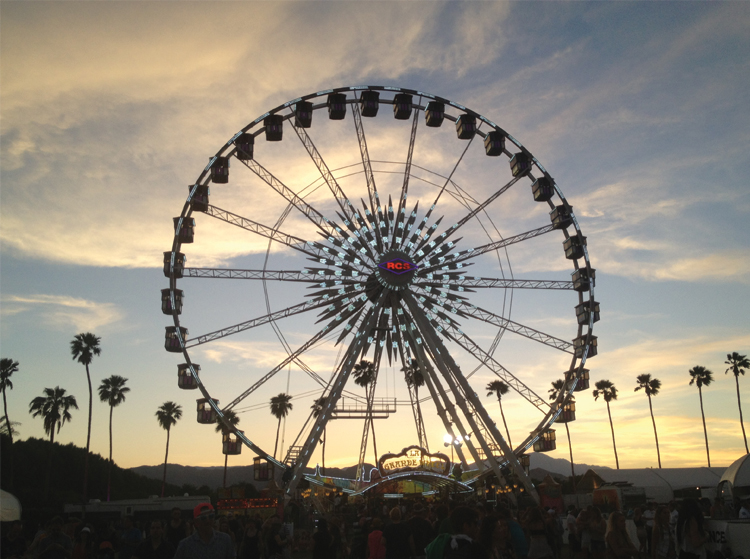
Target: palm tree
point(737, 364)
point(651, 387)
point(415, 377)
point(280, 407)
point(167, 415)
point(83, 348)
point(364, 375)
point(500, 389)
point(112, 390)
point(554, 392)
point(7, 368)
point(702, 377)
point(13, 425)
point(54, 407)
point(607, 390)
point(317, 408)
point(230, 418)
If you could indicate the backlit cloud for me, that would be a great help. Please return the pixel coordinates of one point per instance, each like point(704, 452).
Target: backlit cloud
point(61, 312)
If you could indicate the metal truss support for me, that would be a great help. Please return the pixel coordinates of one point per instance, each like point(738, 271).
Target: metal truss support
point(452, 371)
point(325, 172)
point(342, 376)
point(271, 275)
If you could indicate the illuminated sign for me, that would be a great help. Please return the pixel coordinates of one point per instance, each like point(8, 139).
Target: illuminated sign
point(397, 266)
point(414, 458)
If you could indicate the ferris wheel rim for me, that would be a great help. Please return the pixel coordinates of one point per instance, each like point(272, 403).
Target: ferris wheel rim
point(228, 150)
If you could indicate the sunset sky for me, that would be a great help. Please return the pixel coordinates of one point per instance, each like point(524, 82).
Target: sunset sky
point(108, 111)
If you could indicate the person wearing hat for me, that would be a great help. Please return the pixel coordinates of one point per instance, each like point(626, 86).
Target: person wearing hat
point(205, 543)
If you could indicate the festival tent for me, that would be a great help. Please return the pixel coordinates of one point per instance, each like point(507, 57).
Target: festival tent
point(10, 508)
point(661, 484)
point(735, 483)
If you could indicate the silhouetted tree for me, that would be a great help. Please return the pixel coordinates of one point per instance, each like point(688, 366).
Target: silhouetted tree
point(414, 376)
point(54, 408)
point(7, 368)
point(700, 376)
point(364, 375)
point(280, 407)
point(83, 348)
point(112, 390)
point(607, 390)
point(317, 408)
point(221, 427)
point(554, 392)
point(500, 389)
point(651, 387)
point(737, 364)
point(167, 415)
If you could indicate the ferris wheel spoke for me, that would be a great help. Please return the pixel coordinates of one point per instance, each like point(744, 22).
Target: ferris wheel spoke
point(407, 168)
point(325, 172)
point(372, 190)
point(463, 309)
point(448, 180)
point(468, 217)
point(249, 324)
point(455, 281)
point(289, 195)
point(281, 366)
point(501, 372)
point(265, 231)
point(344, 369)
point(465, 393)
point(454, 261)
point(462, 393)
point(305, 276)
point(445, 408)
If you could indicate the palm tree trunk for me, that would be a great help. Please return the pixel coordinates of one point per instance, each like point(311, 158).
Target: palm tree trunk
point(502, 414)
point(372, 425)
point(109, 466)
point(572, 468)
point(7, 420)
point(10, 448)
point(88, 445)
point(164, 475)
point(739, 405)
point(658, 454)
point(705, 433)
point(226, 459)
point(612, 427)
point(325, 431)
point(49, 462)
point(276, 446)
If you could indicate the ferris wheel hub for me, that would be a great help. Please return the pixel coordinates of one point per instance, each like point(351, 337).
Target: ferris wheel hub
point(396, 270)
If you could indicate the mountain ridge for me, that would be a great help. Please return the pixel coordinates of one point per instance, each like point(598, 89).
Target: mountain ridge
point(213, 476)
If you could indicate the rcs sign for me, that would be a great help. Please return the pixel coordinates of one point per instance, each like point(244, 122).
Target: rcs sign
point(398, 266)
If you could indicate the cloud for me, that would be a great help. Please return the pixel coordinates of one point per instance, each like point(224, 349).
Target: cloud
point(60, 311)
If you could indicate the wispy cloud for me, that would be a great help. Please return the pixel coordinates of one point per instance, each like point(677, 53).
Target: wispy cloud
point(61, 312)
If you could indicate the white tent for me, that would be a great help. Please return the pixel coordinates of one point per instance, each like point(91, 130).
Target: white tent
point(735, 483)
point(10, 508)
point(660, 484)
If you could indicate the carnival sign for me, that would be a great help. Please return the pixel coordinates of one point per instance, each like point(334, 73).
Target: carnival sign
point(414, 458)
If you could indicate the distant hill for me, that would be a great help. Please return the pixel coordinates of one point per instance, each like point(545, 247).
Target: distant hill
point(559, 466)
point(213, 476)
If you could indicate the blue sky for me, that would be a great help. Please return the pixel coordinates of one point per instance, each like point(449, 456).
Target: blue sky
point(639, 110)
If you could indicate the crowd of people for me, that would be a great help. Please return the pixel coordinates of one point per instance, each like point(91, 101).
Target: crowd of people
point(411, 529)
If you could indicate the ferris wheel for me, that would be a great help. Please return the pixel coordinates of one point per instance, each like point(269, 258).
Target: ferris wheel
point(402, 259)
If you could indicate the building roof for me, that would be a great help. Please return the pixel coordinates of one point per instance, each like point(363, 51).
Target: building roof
point(738, 474)
point(669, 478)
